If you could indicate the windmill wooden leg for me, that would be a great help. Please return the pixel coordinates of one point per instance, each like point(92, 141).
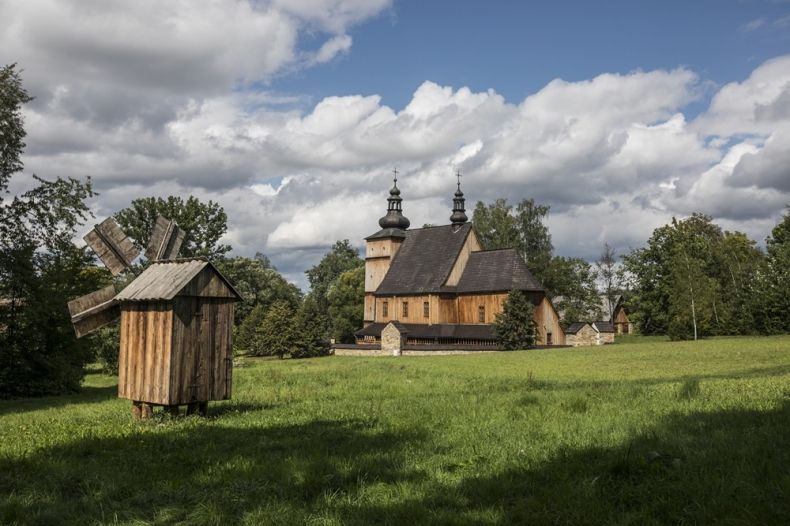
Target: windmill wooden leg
point(147, 411)
point(137, 410)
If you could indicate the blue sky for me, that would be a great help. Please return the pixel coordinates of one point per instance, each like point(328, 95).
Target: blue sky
point(517, 47)
point(292, 114)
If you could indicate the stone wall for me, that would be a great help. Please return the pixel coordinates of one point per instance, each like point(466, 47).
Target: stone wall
point(392, 340)
point(586, 336)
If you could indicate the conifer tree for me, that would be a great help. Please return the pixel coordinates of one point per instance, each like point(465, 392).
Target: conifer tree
point(514, 327)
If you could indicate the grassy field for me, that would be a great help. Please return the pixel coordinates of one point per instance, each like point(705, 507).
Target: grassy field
point(634, 433)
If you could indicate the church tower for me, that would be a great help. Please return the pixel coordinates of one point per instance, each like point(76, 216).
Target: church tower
point(459, 212)
point(382, 246)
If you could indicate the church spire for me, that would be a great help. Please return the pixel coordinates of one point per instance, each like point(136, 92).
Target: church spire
point(459, 213)
point(394, 217)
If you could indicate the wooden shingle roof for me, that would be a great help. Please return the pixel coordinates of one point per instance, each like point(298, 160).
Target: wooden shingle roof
point(164, 280)
point(574, 328)
point(496, 271)
point(424, 260)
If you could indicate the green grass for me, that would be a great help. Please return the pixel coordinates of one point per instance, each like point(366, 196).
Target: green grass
point(647, 433)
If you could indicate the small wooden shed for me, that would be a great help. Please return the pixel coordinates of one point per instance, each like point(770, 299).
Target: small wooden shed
point(176, 332)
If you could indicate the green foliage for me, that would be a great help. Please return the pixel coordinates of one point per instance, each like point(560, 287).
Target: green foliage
point(770, 298)
point(651, 433)
point(693, 259)
point(572, 281)
point(40, 268)
point(106, 345)
point(341, 258)
point(514, 327)
point(278, 334)
point(498, 225)
point(203, 223)
point(245, 339)
point(259, 284)
point(346, 304)
point(311, 323)
point(12, 134)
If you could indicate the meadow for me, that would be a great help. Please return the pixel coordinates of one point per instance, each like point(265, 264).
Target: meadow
point(644, 432)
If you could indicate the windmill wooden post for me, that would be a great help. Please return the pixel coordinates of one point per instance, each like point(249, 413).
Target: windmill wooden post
point(176, 321)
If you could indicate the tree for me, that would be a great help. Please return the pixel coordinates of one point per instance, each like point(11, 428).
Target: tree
point(258, 283)
point(40, 268)
point(245, 338)
point(535, 240)
point(608, 275)
point(498, 225)
point(278, 334)
point(311, 323)
point(495, 225)
point(12, 131)
point(572, 282)
point(514, 327)
point(346, 304)
point(341, 258)
point(770, 298)
point(203, 223)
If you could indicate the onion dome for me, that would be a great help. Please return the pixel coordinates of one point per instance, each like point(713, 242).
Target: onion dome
point(459, 212)
point(394, 217)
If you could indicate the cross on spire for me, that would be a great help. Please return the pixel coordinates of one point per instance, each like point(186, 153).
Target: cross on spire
point(458, 175)
point(395, 175)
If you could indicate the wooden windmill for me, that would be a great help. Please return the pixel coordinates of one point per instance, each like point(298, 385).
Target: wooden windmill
point(176, 321)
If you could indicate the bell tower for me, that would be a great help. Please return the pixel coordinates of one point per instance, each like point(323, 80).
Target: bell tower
point(381, 247)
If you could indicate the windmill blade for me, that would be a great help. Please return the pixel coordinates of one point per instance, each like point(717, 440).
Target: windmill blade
point(114, 248)
point(94, 310)
point(166, 240)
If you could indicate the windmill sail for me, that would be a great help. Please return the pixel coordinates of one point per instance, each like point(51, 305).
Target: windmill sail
point(166, 240)
point(114, 248)
point(93, 311)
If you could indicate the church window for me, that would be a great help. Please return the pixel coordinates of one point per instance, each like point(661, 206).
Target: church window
point(425, 309)
point(481, 314)
point(549, 340)
point(385, 310)
point(405, 309)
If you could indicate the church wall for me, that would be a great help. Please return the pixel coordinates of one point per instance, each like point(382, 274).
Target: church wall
point(395, 309)
point(470, 245)
point(378, 256)
point(469, 305)
point(548, 321)
point(446, 309)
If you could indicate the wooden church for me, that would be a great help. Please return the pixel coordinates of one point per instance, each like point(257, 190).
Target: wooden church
point(440, 287)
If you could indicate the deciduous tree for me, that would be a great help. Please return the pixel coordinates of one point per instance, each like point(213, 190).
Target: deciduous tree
point(203, 223)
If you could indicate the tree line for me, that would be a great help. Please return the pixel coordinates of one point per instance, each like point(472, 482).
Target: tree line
point(692, 279)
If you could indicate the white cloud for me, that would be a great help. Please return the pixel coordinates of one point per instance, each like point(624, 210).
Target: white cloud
point(141, 97)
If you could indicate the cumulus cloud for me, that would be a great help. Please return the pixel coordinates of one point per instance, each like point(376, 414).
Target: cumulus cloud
point(154, 98)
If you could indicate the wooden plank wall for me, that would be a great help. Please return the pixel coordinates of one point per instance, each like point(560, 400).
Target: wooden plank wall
point(144, 359)
point(202, 353)
point(207, 284)
point(547, 321)
point(468, 306)
point(470, 245)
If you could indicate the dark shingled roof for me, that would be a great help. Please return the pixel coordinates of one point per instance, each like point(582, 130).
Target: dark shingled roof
point(438, 330)
point(603, 326)
point(424, 260)
point(573, 328)
point(387, 233)
point(496, 271)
